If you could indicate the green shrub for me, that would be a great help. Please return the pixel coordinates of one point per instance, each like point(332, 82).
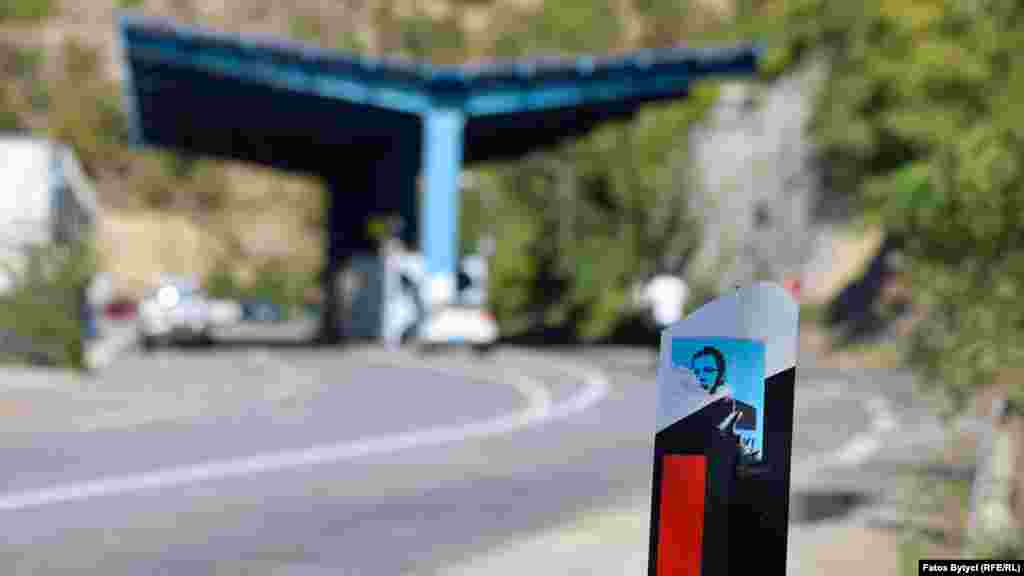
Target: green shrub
point(9, 121)
point(222, 283)
point(349, 41)
point(177, 166)
point(27, 10)
point(85, 110)
point(25, 62)
point(425, 38)
point(581, 224)
point(273, 283)
point(130, 4)
point(560, 28)
point(276, 283)
point(38, 95)
point(917, 124)
point(270, 283)
point(305, 27)
point(44, 306)
point(381, 227)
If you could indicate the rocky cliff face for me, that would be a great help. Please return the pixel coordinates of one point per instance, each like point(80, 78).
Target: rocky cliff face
point(759, 189)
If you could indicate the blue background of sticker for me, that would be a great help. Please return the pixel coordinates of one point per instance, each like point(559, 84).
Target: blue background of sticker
point(744, 374)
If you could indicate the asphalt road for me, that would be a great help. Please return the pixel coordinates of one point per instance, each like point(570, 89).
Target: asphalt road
point(241, 494)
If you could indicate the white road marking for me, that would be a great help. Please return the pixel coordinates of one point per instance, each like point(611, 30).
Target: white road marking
point(857, 449)
point(828, 391)
point(539, 410)
point(538, 397)
point(536, 393)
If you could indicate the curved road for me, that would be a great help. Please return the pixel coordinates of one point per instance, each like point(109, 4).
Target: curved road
point(386, 470)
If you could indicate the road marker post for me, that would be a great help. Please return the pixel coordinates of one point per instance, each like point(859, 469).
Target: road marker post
point(723, 442)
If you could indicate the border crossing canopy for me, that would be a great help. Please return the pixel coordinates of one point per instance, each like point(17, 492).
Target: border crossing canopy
point(371, 126)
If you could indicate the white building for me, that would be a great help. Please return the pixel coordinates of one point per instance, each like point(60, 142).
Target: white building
point(45, 198)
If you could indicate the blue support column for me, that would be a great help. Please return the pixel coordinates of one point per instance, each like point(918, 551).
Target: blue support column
point(439, 211)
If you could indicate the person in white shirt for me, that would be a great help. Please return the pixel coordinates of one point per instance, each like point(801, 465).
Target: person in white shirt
point(404, 308)
point(667, 295)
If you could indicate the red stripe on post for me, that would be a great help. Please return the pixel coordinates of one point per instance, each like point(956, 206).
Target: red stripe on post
point(681, 515)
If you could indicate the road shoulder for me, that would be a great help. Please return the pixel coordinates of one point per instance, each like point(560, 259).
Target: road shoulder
point(611, 541)
point(615, 541)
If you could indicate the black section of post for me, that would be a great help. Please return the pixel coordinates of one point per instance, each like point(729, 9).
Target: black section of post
point(759, 513)
point(746, 506)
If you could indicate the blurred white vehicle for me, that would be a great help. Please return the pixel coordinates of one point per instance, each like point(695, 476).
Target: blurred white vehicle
point(459, 325)
point(465, 322)
point(178, 310)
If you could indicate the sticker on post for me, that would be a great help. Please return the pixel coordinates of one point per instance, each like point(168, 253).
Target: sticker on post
point(725, 371)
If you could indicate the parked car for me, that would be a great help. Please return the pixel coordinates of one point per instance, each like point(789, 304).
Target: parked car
point(121, 309)
point(261, 311)
point(465, 322)
point(179, 310)
point(459, 325)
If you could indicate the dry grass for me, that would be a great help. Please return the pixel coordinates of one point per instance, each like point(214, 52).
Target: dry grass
point(137, 246)
point(939, 529)
point(846, 254)
point(818, 342)
point(848, 550)
point(948, 536)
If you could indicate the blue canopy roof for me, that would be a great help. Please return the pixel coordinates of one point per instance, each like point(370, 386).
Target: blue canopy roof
point(295, 107)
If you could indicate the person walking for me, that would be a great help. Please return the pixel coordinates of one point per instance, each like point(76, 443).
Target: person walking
point(406, 308)
point(666, 295)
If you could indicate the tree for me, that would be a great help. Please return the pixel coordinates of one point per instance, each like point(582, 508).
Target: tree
point(44, 304)
point(85, 111)
point(918, 123)
point(582, 222)
point(594, 217)
point(27, 10)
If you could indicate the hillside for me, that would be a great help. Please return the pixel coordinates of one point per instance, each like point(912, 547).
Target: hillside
point(163, 213)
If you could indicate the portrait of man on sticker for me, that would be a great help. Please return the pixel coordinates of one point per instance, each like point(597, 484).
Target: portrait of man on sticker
point(729, 374)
